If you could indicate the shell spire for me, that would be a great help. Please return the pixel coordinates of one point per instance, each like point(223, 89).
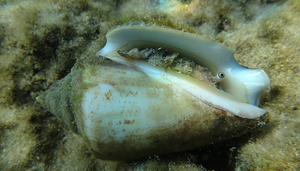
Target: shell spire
point(57, 100)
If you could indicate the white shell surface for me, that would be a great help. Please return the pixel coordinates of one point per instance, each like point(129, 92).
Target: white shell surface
point(130, 96)
point(126, 112)
point(123, 101)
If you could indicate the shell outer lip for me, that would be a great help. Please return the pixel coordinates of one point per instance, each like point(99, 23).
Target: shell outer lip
point(216, 57)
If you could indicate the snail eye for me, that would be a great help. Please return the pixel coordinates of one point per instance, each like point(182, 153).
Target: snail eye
point(221, 75)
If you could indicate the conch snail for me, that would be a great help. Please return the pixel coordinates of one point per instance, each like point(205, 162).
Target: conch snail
point(126, 109)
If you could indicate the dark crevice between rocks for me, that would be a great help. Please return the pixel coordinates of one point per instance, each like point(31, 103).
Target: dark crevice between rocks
point(223, 25)
point(42, 60)
point(49, 132)
point(273, 93)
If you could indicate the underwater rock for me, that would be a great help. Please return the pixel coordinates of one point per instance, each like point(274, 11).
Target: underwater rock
point(126, 109)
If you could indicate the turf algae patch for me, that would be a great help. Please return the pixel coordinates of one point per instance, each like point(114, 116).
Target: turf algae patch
point(40, 42)
point(28, 137)
point(271, 43)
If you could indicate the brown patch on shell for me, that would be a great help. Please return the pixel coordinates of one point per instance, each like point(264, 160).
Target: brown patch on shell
point(128, 121)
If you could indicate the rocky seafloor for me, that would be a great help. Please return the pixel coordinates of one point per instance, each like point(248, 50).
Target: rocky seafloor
point(41, 40)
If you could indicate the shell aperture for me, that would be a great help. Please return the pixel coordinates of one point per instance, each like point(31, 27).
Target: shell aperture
point(239, 81)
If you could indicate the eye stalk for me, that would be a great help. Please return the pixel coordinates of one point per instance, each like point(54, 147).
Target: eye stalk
point(220, 75)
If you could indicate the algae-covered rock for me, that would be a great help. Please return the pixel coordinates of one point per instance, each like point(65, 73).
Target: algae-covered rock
point(41, 40)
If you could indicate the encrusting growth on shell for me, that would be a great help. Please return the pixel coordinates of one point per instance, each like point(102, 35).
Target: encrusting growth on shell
point(160, 58)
